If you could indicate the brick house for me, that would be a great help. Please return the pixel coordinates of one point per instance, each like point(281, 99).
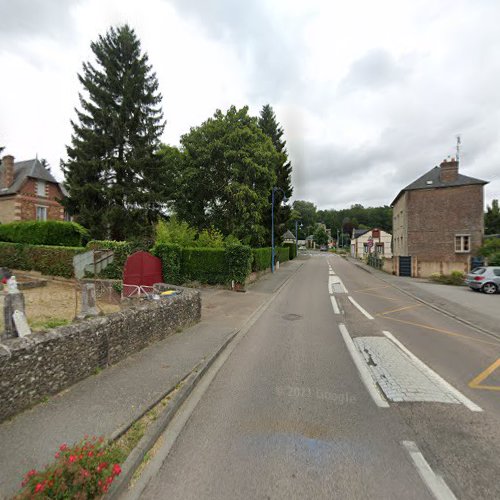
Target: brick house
point(438, 222)
point(28, 191)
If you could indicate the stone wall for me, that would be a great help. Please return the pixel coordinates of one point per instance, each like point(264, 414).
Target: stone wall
point(45, 363)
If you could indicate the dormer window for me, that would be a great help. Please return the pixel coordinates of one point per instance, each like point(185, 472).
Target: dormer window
point(40, 188)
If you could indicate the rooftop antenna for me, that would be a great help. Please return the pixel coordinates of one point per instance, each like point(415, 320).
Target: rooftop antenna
point(459, 141)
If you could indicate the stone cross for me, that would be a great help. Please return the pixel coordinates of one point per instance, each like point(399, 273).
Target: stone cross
point(88, 301)
point(21, 323)
point(12, 302)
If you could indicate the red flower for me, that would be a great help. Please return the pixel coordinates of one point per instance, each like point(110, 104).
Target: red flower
point(116, 469)
point(90, 453)
point(63, 447)
point(39, 487)
point(101, 466)
point(72, 458)
point(57, 455)
point(32, 472)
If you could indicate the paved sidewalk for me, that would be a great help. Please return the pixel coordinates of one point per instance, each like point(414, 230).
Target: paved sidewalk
point(105, 403)
point(477, 309)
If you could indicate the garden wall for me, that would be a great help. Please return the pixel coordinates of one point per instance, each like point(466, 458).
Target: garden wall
point(45, 363)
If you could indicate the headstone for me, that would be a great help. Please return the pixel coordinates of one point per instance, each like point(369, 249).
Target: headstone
point(11, 303)
point(21, 323)
point(89, 307)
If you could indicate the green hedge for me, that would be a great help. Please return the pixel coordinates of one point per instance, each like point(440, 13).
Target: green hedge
point(171, 260)
point(121, 249)
point(51, 232)
point(293, 249)
point(283, 254)
point(239, 262)
point(261, 259)
point(206, 265)
point(50, 260)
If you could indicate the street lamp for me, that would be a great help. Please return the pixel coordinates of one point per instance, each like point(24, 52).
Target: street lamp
point(296, 237)
point(272, 223)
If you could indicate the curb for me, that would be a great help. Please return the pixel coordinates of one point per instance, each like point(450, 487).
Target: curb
point(496, 336)
point(136, 456)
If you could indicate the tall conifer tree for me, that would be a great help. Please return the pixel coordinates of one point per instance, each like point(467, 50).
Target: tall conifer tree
point(113, 176)
point(283, 170)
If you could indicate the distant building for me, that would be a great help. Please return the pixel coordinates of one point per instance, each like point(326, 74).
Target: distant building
point(28, 191)
point(438, 222)
point(288, 237)
point(370, 241)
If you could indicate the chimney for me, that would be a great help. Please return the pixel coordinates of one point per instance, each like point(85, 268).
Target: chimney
point(8, 171)
point(449, 170)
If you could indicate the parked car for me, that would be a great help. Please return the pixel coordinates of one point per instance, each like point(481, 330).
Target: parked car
point(486, 279)
point(323, 248)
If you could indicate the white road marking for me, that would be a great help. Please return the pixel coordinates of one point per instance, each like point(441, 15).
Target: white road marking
point(335, 306)
point(335, 280)
point(363, 370)
point(434, 482)
point(433, 375)
point(355, 304)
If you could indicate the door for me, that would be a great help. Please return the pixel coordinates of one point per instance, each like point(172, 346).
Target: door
point(405, 266)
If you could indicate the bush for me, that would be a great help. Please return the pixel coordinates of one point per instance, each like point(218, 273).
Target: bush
point(239, 262)
point(51, 232)
point(210, 238)
point(206, 265)
point(261, 259)
point(455, 278)
point(293, 249)
point(84, 470)
point(283, 254)
point(175, 232)
point(171, 260)
point(53, 261)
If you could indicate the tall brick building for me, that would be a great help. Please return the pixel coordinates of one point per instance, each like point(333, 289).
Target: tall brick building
point(438, 222)
point(28, 191)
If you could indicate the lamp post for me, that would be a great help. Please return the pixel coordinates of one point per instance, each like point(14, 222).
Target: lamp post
point(296, 237)
point(272, 223)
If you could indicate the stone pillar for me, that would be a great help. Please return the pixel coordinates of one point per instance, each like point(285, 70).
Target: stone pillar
point(89, 307)
point(12, 302)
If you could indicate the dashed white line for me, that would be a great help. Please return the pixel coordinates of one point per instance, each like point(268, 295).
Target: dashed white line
point(366, 313)
point(335, 306)
point(433, 375)
point(363, 370)
point(434, 482)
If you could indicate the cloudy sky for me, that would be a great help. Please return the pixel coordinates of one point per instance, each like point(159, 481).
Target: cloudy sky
point(371, 94)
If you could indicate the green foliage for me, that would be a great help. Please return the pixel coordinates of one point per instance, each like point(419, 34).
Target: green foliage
point(455, 278)
point(239, 262)
point(231, 240)
point(206, 265)
point(121, 249)
point(320, 236)
point(116, 181)
point(261, 259)
point(226, 175)
point(49, 260)
point(171, 259)
point(282, 254)
point(51, 232)
point(492, 219)
point(175, 232)
point(293, 249)
point(210, 238)
point(494, 259)
point(490, 247)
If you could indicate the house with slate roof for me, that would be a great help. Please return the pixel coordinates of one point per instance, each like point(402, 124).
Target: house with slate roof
point(438, 222)
point(28, 191)
point(288, 237)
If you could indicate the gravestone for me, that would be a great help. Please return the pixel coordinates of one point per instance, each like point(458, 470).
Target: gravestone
point(21, 323)
point(89, 307)
point(12, 302)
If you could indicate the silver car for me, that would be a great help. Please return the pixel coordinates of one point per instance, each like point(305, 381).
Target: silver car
point(486, 279)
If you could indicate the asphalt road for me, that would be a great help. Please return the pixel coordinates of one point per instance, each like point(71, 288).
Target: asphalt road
point(289, 414)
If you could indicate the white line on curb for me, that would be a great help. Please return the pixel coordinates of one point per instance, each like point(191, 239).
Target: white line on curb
point(335, 306)
point(434, 482)
point(363, 370)
point(434, 376)
point(366, 313)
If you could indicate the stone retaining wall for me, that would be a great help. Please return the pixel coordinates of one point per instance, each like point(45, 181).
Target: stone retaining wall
point(45, 363)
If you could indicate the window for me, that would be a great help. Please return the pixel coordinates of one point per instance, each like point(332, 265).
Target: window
point(462, 243)
point(379, 248)
point(366, 248)
point(40, 188)
point(479, 270)
point(496, 272)
point(41, 213)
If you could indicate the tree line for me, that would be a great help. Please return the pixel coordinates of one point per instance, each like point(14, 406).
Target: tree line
point(122, 180)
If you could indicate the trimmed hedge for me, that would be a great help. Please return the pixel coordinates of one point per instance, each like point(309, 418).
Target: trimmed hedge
point(293, 249)
point(50, 232)
point(283, 254)
point(50, 260)
point(239, 262)
point(171, 260)
point(261, 259)
point(206, 265)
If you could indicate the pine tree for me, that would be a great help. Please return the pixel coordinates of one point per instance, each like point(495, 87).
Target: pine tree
point(113, 176)
point(282, 169)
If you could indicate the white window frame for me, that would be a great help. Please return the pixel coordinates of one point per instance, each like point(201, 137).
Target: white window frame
point(462, 241)
point(45, 211)
point(40, 188)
